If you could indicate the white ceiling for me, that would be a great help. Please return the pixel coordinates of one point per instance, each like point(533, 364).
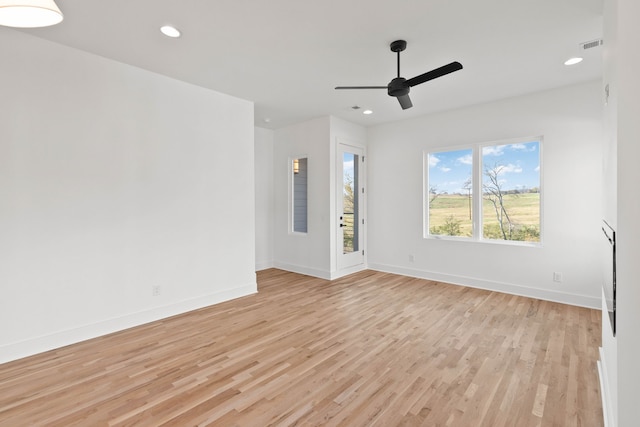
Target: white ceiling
point(288, 55)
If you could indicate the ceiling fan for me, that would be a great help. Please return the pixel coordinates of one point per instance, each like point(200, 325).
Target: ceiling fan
point(399, 86)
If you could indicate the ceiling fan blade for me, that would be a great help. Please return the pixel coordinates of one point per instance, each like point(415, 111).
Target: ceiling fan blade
point(361, 87)
point(434, 74)
point(405, 101)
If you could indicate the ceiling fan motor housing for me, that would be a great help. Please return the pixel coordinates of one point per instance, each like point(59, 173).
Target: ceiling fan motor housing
point(398, 87)
point(398, 46)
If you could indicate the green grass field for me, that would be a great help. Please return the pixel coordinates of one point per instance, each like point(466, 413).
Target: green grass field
point(524, 210)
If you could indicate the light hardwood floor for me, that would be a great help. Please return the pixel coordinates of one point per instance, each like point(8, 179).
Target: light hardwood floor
point(368, 349)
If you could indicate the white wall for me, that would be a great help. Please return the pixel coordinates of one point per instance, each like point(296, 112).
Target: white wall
point(570, 120)
point(303, 253)
point(313, 253)
point(626, 67)
point(608, 366)
point(114, 180)
point(264, 139)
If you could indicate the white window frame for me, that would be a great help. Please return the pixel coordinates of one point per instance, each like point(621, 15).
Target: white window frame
point(477, 176)
point(425, 194)
point(291, 195)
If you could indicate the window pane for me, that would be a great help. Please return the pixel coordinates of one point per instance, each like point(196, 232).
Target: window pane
point(300, 195)
point(449, 193)
point(350, 202)
point(511, 192)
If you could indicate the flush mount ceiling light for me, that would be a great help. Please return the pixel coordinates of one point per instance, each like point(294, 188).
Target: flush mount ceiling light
point(367, 112)
point(170, 31)
point(573, 61)
point(29, 13)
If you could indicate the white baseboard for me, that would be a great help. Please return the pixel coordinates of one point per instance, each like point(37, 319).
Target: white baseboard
point(307, 271)
point(346, 271)
point(607, 411)
point(263, 265)
point(322, 274)
point(41, 344)
point(543, 294)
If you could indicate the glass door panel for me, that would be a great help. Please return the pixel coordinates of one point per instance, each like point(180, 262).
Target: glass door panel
point(350, 199)
point(349, 206)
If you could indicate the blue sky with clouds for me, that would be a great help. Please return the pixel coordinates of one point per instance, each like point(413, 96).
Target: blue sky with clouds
point(519, 166)
point(347, 165)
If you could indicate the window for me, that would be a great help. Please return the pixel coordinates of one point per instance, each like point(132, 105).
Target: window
point(299, 195)
point(511, 191)
point(349, 220)
point(485, 192)
point(449, 195)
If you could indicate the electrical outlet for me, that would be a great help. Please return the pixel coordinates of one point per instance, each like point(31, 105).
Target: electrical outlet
point(155, 290)
point(411, 258)
point(557, 277)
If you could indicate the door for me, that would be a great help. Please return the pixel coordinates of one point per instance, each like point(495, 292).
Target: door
point(350, 204)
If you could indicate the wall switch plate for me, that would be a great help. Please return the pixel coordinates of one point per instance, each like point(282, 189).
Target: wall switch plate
point(557, 277)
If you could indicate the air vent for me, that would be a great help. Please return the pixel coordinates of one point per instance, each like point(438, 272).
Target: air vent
point(591, 44)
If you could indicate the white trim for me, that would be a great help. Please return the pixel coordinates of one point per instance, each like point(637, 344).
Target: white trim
point(321, 274)
point(347, 271)
point(477, 194)
point(511, 141)
point(508, 288)
point(357, 259)
point(607, 411)
point(291, 193)
point(307, 271)
point(426, 185)
point(264, 265)
point(59, 339)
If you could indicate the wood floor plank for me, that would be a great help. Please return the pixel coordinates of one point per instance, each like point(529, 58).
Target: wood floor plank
point(369, 349)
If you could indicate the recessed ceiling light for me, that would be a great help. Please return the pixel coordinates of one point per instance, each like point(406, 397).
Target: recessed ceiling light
point(266, 120)
point(170, 31)
point(367, 112)
point(573, 61)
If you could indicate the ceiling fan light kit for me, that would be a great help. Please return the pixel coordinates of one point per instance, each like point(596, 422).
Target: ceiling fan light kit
point(29, 13)
point(400, 87)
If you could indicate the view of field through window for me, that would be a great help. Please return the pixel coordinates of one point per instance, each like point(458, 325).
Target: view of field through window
point(509, 187)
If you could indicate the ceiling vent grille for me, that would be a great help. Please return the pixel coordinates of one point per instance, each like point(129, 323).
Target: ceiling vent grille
point(591, 44)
